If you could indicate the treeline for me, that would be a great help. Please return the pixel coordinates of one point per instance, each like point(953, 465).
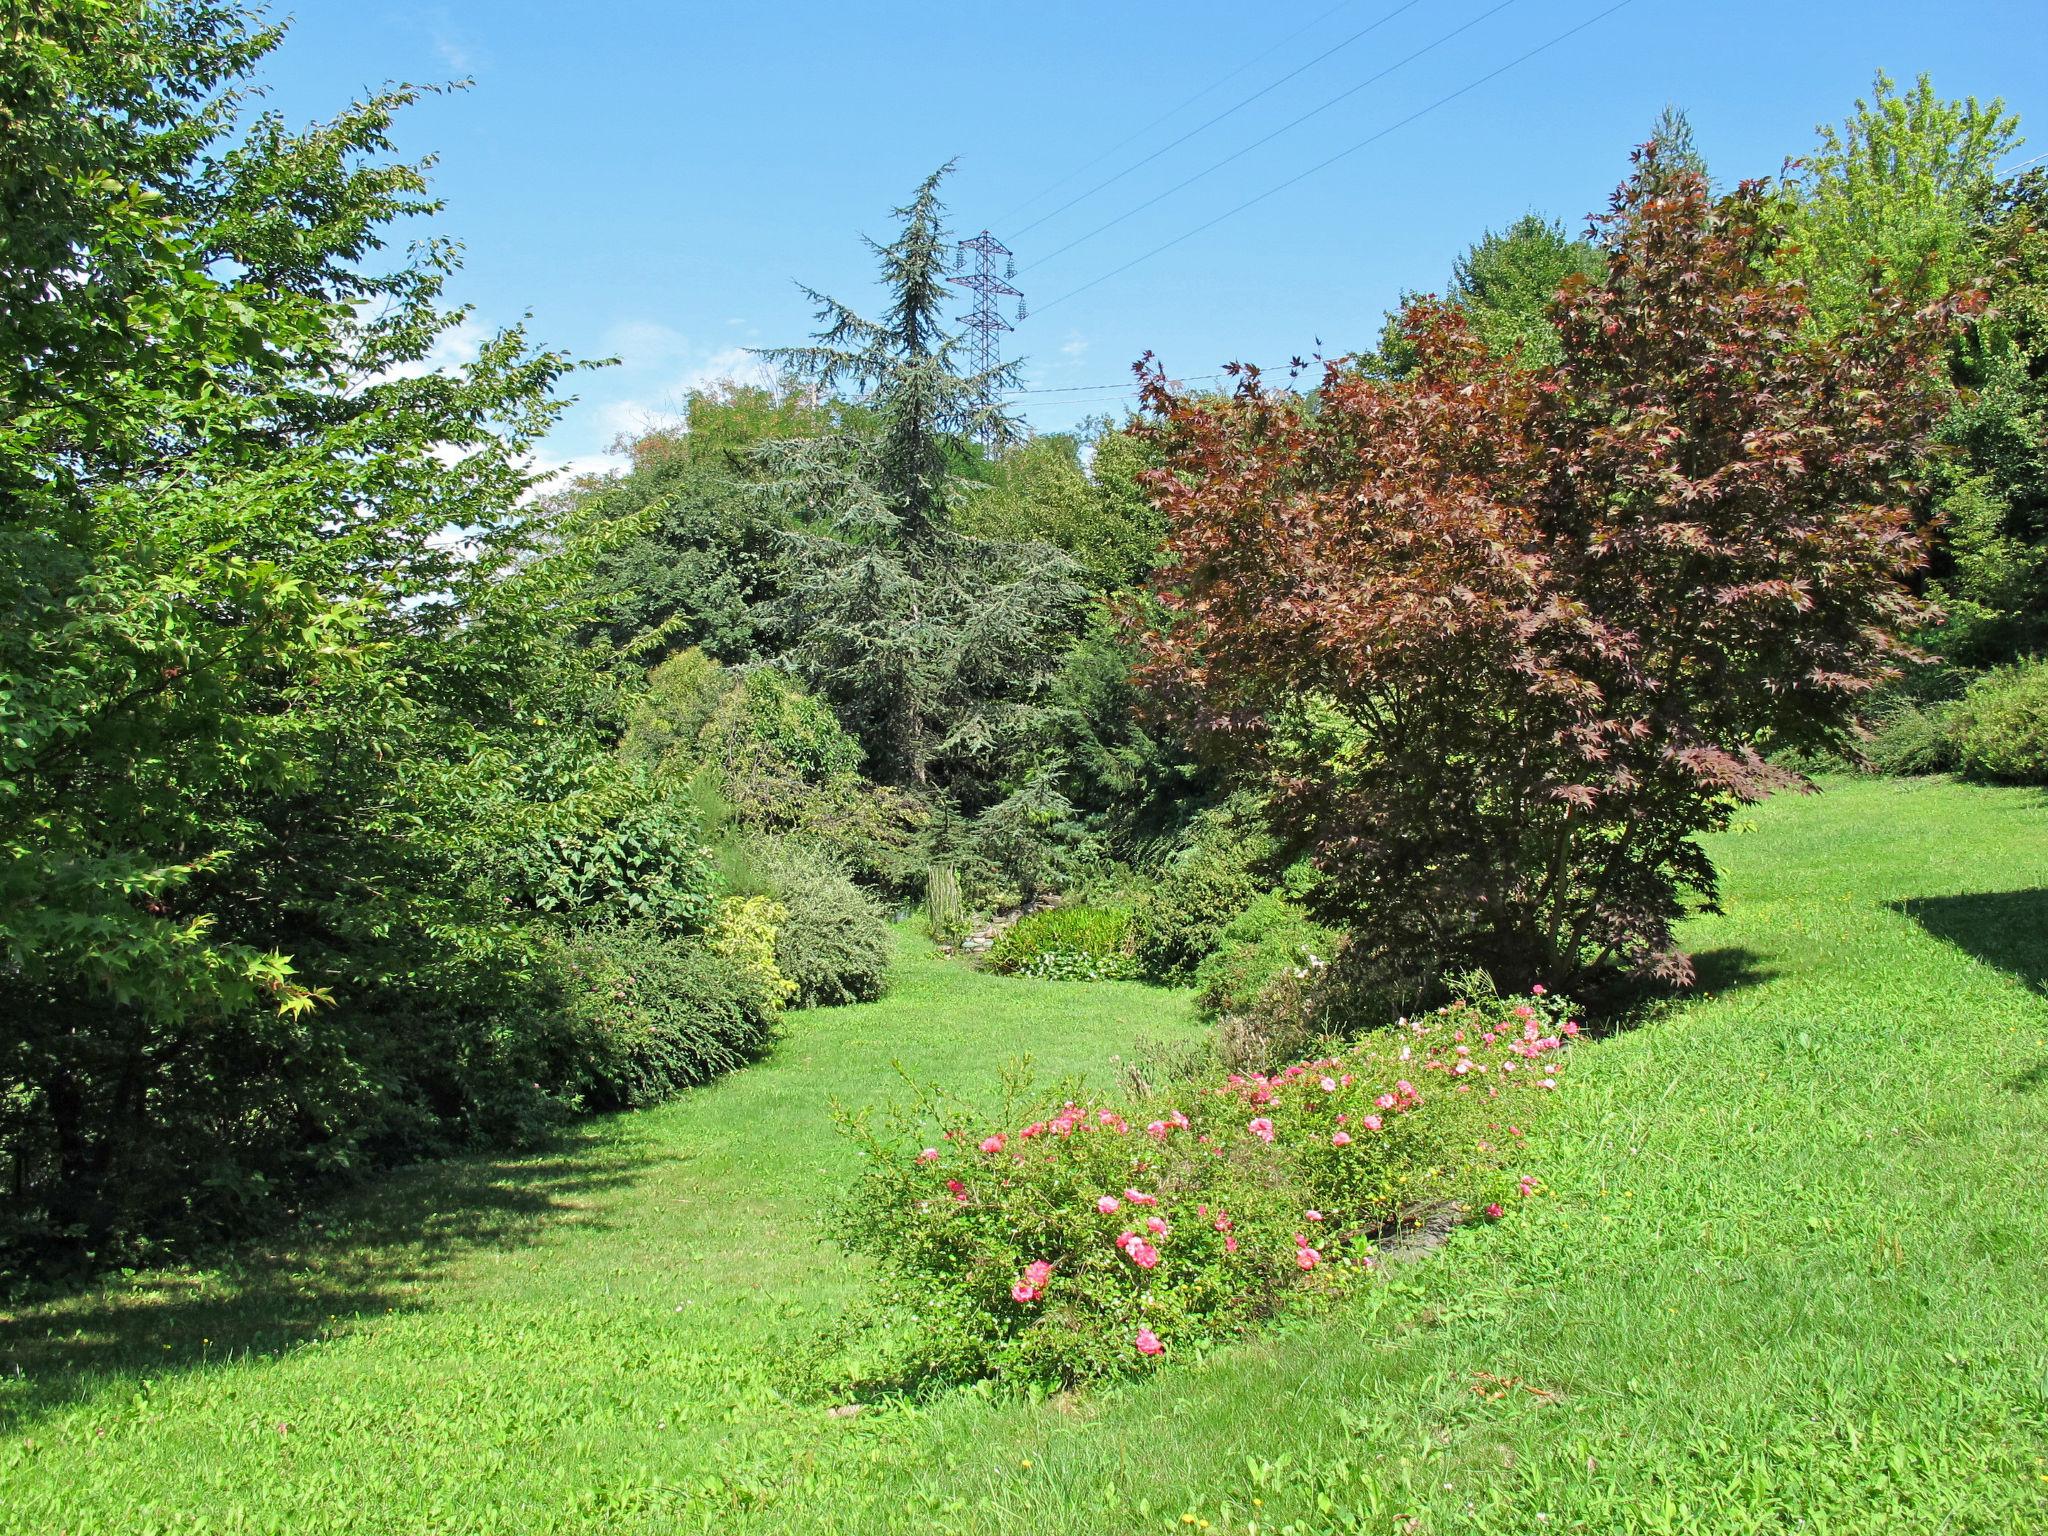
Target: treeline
point(365, 799)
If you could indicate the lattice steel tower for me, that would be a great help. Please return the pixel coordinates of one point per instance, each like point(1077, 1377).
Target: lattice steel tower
point(984, 321)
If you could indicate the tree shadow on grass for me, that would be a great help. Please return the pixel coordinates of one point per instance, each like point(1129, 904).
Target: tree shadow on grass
point(1626, 1002)
point(2006, 929)
point(375, 1252)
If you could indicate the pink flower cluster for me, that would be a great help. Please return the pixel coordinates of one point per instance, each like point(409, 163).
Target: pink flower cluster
point(1037, 1276)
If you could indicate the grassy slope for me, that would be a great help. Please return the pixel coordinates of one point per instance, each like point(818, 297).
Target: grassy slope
point(587, 1340)
point(1787, 1274)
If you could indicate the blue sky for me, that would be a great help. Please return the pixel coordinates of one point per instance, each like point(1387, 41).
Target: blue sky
point(651, 180)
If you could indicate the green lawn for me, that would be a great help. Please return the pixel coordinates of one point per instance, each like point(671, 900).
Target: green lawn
point(1791, 1275)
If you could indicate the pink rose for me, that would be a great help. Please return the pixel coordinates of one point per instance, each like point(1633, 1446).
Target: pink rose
point(1156, 1226)
point(1148, 1342)
point(1341, 1139)
point(1020, 1292)
point(928, 1155)
point(992, 1145)
point(1307, 1257)
point(1261, 1128)
point(1107, 1205)
point(1371, 1122)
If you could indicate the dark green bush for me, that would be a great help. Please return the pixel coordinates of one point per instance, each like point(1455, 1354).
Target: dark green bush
point(834, 940)
point(1909, 737)
point(1214, 876)
point(2001, 726)
point(612, 845)
point(1271, 935)
point(1071, 943)
point(648, 1013)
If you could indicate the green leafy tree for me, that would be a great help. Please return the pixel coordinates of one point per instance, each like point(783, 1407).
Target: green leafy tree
point(1505, 285)
point(1896, 196)
point(277, 614)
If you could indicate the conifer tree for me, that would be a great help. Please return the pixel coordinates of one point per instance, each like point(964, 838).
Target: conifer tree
point(934, 646)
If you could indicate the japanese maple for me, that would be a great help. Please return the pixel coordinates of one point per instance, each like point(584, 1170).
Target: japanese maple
point(1505, 641)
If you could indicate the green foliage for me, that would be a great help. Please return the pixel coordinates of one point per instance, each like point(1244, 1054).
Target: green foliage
point(252, 690)
point(2000, 726)
point(1271, 936)
point(1126, 770)
point(1080, 1240)
point(1038, 493)
point(1216, 873)
point(1031, 841)
point(667, 722)
point(833, 939)
point(1504, 286)
point(767, 728)
point(607, 845)
point(944, 911)
point(931, 645)
point(1074, 942)
point(1894, 198)
point(650, 1013)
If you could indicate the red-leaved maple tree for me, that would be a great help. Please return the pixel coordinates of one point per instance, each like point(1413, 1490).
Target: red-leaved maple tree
point(1505, 641)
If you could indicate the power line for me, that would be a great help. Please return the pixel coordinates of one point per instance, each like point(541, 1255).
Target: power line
point(1077, 389)
point(1315, 111)
point(1406, 5)
point(1441, 101)
point(1174, 111)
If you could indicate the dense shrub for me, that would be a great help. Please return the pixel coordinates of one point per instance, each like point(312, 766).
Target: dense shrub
point(1029, 842)
point(1215, 875)
point(1271, 936)
point(833, 942)
point(611, 845)
point(1083, 1240)
point(2000, 728)
point(649, 1013)
point(1067, 943)
point(1909, 736)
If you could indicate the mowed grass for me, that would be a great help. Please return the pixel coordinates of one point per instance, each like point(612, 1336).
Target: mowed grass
point(1788, 1272)
point(591, 1340)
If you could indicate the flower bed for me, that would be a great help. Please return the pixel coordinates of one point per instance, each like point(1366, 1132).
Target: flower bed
point(1094, 1238)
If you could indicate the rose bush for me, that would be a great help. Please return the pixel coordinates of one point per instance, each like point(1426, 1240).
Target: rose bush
point(1087, 1238)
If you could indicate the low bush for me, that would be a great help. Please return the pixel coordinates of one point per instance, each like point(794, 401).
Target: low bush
point(833, 942)
point(2000, 727)
point(1083, 1239)
point(1271, 936)
point(1070, 943)
point(648, 1013)
point(1200, 888)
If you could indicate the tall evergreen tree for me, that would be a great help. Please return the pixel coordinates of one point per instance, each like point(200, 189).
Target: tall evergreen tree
point(934, 646)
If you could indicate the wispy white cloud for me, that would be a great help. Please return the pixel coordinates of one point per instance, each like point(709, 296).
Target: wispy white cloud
point(1074, 347)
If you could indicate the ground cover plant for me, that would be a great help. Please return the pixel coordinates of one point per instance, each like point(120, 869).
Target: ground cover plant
point(1744, 1296)
point(1078, 942)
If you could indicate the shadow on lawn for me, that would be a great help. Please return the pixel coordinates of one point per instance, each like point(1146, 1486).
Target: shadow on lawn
point(2006, 929)
point(375, 1252)
point(1625, 1002)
